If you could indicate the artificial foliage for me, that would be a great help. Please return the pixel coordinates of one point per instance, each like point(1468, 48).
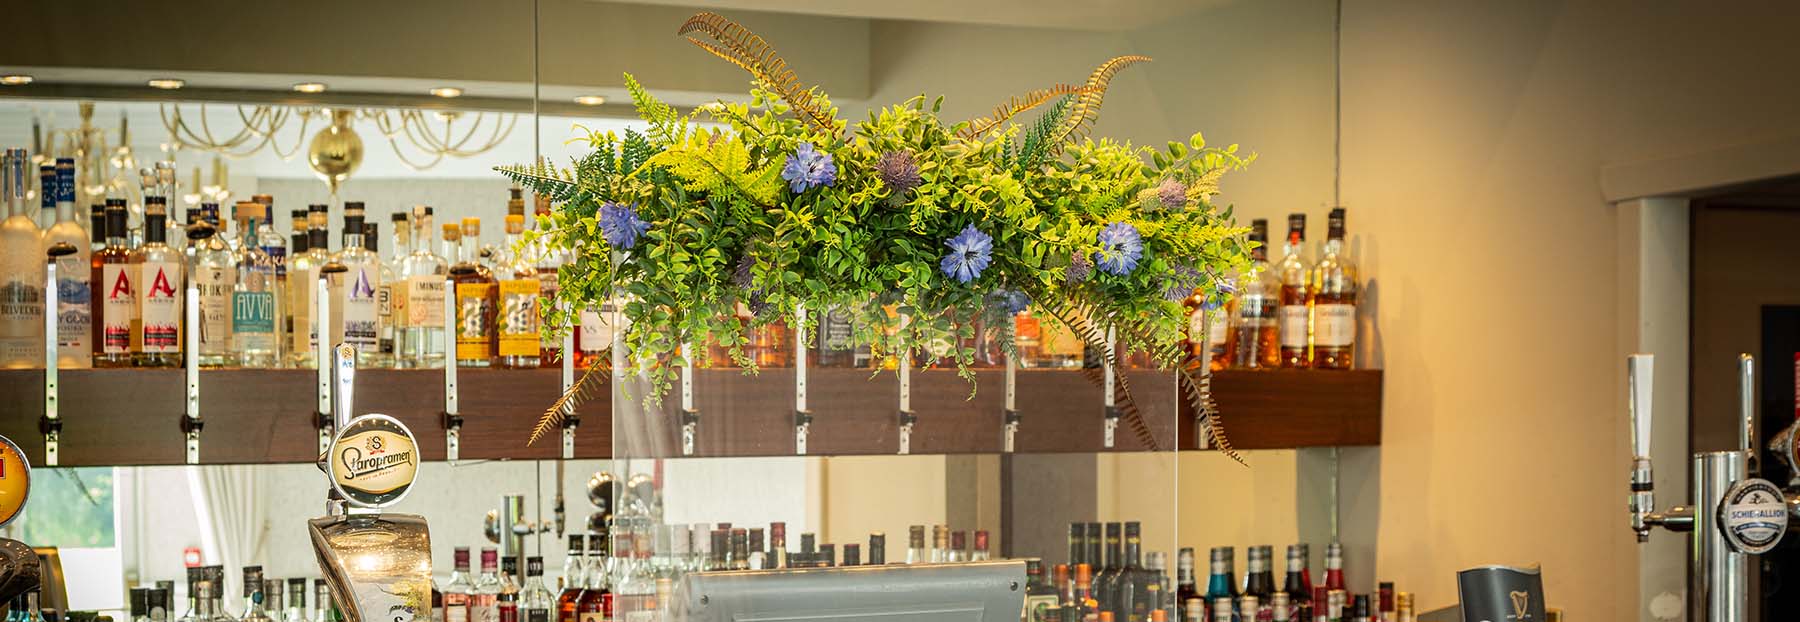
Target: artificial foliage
point(922, 230)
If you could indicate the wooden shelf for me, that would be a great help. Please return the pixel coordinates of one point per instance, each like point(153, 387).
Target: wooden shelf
point(132, 416)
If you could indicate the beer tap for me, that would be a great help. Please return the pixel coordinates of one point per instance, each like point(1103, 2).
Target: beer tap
point(1640, 368)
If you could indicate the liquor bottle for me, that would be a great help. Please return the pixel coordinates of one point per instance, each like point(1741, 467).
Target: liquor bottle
point(419, 312)
point(296, 595)
point(1084, 592)
point(476, 299)
point(204, 610)
point(1250, 608)
point(487, 588)
point(506, 601)
point(1193, 610)
point(548, 264)
point(959, 546)
point(1259, 579)
point(809, 550)
point(22, 271)
point(1334, 566)
point(156, 335)
point(574, 579)
point(355, 310)
point(1254, 312)
point(194, 577)
point(1220, 583)
point(778, 553)
point(272, 599)
point(1077, 544)
point(535, 601)
point(255, 297)
point(1185, 589)
point(324, 608)
point(980, 552)
point(457, 593)
point(97, 227)
point(940, 544)
point(1384, 599)
point(1040, 596)
point(1321, 603)
point(292, 274)
point(1359, 612)
point(114, 297)
point(74, 305)
point(1298, 583)
point(594, 336)
point(877, 549)
point(253, 595)
point(1295, 307)
point(213, 269)
point(1281, 608)
point(1045, 342)
point(740, 549)
point(1334, 291)
point(1106, 577)
point(1135, 590)
point(835, 346)
point(1223, 609)
point(596, 603)
point(303, 276)
point(1403, 607)
point(1157, 565)
point(519, 343)
point(1093, 545)
point(399, 244)
point(915, 545)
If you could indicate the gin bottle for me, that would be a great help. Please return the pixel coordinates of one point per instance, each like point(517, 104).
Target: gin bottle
point(74, 305)
point(535, 602)
point(256, 300)
point(420, 315)
point(213, 270)
point(303, 276)
point(483, 598)
point(390, 306)
point(355, 314)
point(253, 595)
point(22, 271)
point(156, 334)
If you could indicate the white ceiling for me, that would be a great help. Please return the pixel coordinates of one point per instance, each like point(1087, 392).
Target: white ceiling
point(1072, 14)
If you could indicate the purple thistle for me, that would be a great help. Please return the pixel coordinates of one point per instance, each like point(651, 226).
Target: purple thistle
point(899, 171)
point(1080, 268)
point(808, 168)
point(1120, 248)
point(970, 253)
point(741, 276)
point(620, 225)
point(1172, 193)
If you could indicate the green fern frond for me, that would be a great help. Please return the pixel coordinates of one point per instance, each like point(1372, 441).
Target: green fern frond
point(714, 163)
point(666, 125)
point(1034, 149)
point(1014, 106)
point(544, 179)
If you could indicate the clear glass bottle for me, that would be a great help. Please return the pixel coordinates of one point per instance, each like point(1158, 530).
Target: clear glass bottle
point(596, 604)
point(516, 323)
point(256, 297)
point(355, 309)
point(420, 305)
point(303, 276)
point(457, 592)
point(535, 602)
point(1333, 288)
point(213, 269)
point(324, 609)
point(74, 304)
point(296, 601)
point(253, 596)
point(97, 227)
point(477, 299)
point(115, 293)
point(1295, 304)
point(506, 602)
point(204, 610)
point(573, 580)
point(548, 263)
point(487, 587)
point(915, 545)
point(399, 243)
point(156, 334)
point(292, 274)
point(22, 270)
point(1254, 313)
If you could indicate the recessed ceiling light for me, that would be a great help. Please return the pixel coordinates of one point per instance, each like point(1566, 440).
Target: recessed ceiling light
point(17, 79)
point(590, 100)
point(447, 91)
point(167, 84)
point(310, 87)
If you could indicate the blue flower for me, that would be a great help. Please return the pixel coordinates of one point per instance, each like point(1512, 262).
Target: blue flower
point(970, 253)
point(1181, 283)
point(1008, 302)
point(620, 225)
point(1120, 248)
point(808, 168)
point(1080, 268)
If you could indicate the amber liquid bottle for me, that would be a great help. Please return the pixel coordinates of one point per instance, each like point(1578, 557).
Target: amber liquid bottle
point(1295, 304)
point(1255, 332)
point(477, 297)
point(1334, 293)
point(115, 295)
point(574, 581)
point(596, 601)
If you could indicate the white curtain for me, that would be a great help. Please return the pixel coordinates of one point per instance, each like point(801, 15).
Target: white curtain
point(232, 524)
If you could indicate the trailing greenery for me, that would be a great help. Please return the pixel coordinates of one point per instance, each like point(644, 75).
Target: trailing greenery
point(924, 232)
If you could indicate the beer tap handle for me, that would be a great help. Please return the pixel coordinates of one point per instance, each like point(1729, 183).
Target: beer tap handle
point(1639, 371)
point(1747, 411)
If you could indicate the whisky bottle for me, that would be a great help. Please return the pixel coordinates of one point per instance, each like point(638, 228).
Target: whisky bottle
point(596, 604)
point(1334, 566)
point(835, 346)
point(1254, 313)
point(355, 313)
point(74, 305)
point(1295, 303)
point(420, 310)
point(457, 592)
point(519, 344)
point(115, 293)
point(384, 301)
point(1135, 589)
point(213, 269)
point(1334, 293)
point(1093, 545)
point(303, 277)
point(256, 296)
point(476, 298)
point(506, 602)
point(573, 580)
point(22, 271)
point(156, 334)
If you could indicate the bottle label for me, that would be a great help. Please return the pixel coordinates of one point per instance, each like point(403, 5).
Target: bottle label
point(474, 320)
point(22, 301)
point(596, 331)
point(217, 308)
point(537, 615)
point(359, 309)
point(836, 331)
point(1038, 608)
point(277, 257)
point(518, 319)
point(159, 307)
point(482, 609)
point(74, 307)
point(1293, 326)
point(119, 308)
point(253, 320)
point(1334, 325)
point(300, 295)
point(456, 608)
point(424, 305)
point(384, 318)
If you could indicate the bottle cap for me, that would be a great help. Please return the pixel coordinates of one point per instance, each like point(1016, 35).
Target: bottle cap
point(140, 602)
point(471, 226)
point(263, 199)
point(1106, 616)
point(515, 223)
point(1158, 615)
point(1083, 575)
point(452, 233)
point(510, 565)
point(852, 554)
point(398, 216)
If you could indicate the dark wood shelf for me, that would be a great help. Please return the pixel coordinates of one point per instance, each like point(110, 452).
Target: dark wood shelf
point(132, 416)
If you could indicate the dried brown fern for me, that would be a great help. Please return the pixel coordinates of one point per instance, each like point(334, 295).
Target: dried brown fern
point(1015, 105)
point(737, 45)
point(577, 393)
point(1076, 316)
point(1087, 107)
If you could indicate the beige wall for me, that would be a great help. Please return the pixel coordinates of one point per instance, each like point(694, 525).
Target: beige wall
point(1474, 136)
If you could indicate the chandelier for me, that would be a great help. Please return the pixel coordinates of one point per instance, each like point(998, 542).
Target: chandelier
point(419, 138)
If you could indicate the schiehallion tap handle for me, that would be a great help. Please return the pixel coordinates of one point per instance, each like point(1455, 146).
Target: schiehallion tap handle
point(1640, 369)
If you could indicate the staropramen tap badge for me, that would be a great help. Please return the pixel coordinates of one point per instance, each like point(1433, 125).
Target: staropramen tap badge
point(373, 461)
point(15, 481)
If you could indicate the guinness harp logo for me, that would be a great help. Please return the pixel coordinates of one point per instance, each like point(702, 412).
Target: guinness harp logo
point(1521, 604)
point(373, 461)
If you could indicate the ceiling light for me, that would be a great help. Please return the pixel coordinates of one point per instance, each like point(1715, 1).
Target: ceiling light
point(310, 87)
point(590, 100)
point(167, 84)
point(17, 79)
point(447, 91)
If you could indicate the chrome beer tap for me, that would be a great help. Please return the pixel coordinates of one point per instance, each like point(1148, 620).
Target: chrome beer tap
point(1640, 368)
